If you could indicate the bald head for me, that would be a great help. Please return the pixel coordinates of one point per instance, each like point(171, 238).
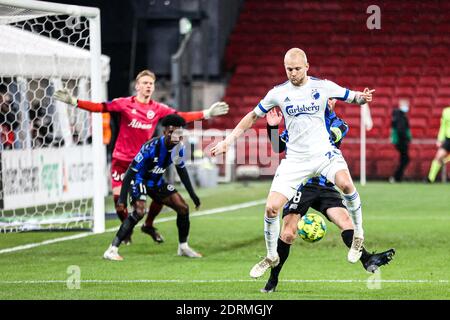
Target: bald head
point(296, 66)
point(295, 54)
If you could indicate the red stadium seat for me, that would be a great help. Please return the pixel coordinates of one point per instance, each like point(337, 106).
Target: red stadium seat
point(388, 153)
point(408, 59)
point(440, 50)
point(387, 80)
point(441, 102)
point(407, 81)
point(382, 102)
point(393, 61)
point(418, 122)
point(420, 112)
point(385, 168)
point(245, 69)
point(427, 91)
point(419, 133)
point(433, 70)
point(419, 50)
point(445, 80)
point(392, 70)
point(404, 92)
point(423, 101)
point(378, 110)
point(415, 71)
point(429, 80)
point(383, 91)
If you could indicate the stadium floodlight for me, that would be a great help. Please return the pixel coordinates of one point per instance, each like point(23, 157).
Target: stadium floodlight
point(52, 166)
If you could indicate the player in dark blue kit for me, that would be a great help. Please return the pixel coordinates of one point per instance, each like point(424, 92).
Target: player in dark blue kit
point(144, 177)
point(319, 194)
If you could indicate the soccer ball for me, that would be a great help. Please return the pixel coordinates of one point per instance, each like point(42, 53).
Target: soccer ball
point(311, 227)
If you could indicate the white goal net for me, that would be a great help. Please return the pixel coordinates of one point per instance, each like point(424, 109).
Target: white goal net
point(52, 161)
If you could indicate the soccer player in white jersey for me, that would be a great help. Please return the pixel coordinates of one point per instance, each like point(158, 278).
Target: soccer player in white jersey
point(303, 102)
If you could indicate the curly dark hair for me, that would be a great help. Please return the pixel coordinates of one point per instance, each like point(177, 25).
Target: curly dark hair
point(173, 120)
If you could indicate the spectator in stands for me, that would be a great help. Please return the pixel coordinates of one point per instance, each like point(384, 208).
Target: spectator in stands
point(8, 119)
point(443, 144)
point(42, 127)
point(400, 137)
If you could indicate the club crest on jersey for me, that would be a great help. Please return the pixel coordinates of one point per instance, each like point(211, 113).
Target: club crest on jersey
point(150, 114)
point(315, 94)
point(139, 157)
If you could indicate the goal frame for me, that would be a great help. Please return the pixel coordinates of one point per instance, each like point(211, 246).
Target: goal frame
point(93, 16)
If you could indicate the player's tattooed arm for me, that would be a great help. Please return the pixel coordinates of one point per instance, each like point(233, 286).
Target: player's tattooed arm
point(358, 99)
point(363, 97)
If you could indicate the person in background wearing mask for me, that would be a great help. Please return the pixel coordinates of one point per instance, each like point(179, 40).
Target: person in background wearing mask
point(400, 137)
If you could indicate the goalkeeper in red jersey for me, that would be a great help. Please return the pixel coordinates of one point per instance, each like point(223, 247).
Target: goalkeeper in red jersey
point(139, 116)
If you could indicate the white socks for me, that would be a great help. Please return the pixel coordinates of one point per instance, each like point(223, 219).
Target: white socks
point(271, 234)
point(353, 202)
point(183, 245)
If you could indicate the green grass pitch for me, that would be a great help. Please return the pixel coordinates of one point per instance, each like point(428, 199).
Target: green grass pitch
point(412, 218)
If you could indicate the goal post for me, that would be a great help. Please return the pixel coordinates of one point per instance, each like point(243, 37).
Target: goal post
point(53, 161)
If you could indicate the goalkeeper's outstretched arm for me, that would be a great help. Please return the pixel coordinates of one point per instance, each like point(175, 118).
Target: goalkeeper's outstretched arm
point(216, 109)
point(65, 96)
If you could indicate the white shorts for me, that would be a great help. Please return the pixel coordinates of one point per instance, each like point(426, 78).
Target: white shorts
point(293, 173)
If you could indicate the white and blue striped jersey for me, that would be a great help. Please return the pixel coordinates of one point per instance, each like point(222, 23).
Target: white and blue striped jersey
point(304, 111)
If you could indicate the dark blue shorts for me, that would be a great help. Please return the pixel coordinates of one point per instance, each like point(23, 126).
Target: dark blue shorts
point(320, 198)
point(141, 191)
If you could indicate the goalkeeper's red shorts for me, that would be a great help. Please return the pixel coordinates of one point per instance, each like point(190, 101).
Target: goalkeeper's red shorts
point(118, 169)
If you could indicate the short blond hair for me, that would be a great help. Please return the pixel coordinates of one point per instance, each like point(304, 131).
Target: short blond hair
point(144, 73)
point(295, 53)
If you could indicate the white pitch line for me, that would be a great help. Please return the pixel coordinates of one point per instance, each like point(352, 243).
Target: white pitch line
point(87, 234)
point(221, 281)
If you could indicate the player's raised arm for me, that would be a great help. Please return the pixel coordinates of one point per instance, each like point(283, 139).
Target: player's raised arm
point(243, 125)
point(335, 91)
point(64, 95)
point(216, 109)
point(263, 107)
point(363, 97)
